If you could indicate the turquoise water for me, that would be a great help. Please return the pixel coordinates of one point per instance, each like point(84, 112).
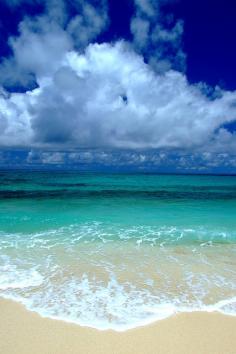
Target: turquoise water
point(115, 251)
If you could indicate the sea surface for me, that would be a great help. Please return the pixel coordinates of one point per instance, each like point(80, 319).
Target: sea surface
point(117, 251)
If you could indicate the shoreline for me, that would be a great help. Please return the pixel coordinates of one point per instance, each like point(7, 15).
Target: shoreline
point(125, 328)
point(26, 332)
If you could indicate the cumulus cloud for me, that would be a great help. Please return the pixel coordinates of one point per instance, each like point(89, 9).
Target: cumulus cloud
point(44, 38)
point(108, 97)
point(36, 53)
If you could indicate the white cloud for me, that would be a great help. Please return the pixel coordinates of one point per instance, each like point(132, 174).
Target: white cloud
point(140, 29)
point(108, 97)
point(86, 26)
point(40, 52)
point(48, 157)
point(44, 39)
point(155, 160)
point(37, 52)
point(157, 36)
point(148, 7)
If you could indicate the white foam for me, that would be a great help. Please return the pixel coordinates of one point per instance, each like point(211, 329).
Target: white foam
point(13, 278)
point(46, 284)
point(102, 306)
point(153, 314)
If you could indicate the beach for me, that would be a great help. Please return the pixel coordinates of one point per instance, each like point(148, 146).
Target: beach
point(25, 332)
point(103, 263)
point(117, 177)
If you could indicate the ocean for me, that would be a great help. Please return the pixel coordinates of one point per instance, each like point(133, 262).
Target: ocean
point(117, 251)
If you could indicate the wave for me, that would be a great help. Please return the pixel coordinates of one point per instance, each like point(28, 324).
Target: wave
point(90, 232)
point(111, 277)
point(109, 307)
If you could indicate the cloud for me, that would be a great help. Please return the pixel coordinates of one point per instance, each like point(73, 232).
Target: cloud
point(44, 38)
point(120, 160)
point(45, 157)
point(107, 97)
point(37, 52)
point(86, 26)
point(83, 19)
point(140, 29)
point(16, 3)
point(157, 36)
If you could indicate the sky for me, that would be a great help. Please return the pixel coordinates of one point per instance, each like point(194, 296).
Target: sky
point(138, 85)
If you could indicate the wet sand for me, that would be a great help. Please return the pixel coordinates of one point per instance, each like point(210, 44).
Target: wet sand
point(24, 332)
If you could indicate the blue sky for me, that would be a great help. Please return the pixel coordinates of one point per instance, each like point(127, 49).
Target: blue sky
point(138, 84)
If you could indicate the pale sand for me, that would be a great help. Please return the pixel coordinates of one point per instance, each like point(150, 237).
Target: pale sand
point(24, 332)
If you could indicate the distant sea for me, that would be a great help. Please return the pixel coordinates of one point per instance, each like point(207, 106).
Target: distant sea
point(116, 251)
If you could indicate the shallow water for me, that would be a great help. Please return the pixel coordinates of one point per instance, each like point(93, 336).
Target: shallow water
point(117, 251)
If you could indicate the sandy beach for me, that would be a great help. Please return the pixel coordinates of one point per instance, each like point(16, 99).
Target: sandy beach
point(24, 332)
